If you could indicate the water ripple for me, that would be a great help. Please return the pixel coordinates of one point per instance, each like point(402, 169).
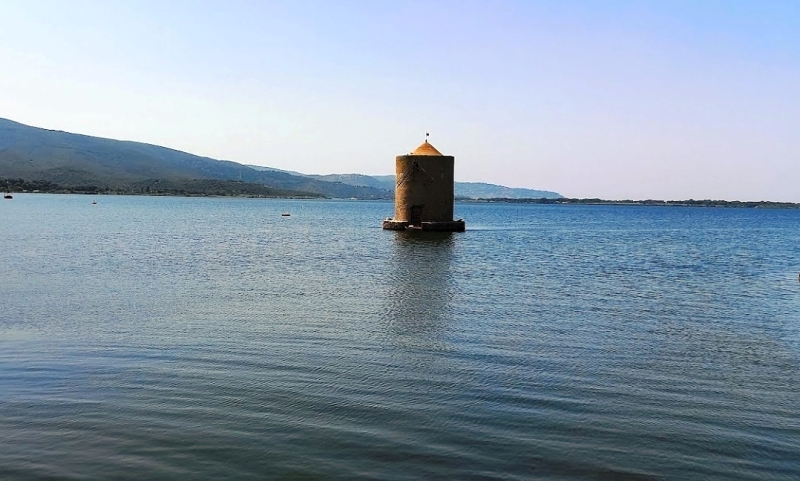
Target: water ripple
point(168, 338)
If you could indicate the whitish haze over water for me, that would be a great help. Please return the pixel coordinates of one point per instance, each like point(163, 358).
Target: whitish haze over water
point(198, 338)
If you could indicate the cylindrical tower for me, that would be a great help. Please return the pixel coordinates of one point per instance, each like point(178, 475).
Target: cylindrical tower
point(424, 191)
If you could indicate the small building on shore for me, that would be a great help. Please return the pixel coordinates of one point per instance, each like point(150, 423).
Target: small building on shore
point(424, 192)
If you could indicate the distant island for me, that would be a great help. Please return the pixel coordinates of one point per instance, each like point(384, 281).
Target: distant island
point(42, 160)
point(764, 204)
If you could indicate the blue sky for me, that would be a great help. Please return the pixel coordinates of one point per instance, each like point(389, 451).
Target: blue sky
point(634, 99)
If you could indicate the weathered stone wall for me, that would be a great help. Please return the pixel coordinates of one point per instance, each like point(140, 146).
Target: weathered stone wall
point(425, 181)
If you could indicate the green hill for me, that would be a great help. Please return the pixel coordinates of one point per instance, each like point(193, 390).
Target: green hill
point(73, 160)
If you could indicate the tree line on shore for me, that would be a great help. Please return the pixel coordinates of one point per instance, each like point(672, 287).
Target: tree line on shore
point(651, 202)
point(193, 187)
point(222, 188)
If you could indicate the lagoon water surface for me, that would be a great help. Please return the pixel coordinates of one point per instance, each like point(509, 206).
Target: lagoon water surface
point(201, 338)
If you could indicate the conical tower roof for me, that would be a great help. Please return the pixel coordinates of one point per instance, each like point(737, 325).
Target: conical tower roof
point(426, 149)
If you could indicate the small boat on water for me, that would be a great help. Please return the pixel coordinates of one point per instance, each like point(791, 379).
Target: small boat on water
point(8, 196)
point(285, 214)
point(94, 202)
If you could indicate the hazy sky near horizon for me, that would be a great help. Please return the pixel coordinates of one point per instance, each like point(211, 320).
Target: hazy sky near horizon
point(612, 99)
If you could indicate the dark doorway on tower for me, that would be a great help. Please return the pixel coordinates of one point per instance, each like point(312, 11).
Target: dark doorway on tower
point(416, 215)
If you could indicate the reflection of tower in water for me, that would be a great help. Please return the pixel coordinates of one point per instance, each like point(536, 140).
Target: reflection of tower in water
point(420, 287)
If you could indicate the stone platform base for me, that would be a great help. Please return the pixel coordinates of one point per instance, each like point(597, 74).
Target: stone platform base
point(451, 226)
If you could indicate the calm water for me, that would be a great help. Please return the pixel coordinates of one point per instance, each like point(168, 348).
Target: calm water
point(174, 338)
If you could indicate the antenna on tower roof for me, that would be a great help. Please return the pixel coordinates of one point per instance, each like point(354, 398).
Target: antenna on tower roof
point(426, 137)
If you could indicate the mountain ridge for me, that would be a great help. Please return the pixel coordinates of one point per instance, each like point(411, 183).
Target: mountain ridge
point(70, 159)
point(465, 190)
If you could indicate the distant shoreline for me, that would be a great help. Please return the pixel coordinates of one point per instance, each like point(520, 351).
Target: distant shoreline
point(167, 194)
point(735, 204)
point(156, 187)
point(649, 202)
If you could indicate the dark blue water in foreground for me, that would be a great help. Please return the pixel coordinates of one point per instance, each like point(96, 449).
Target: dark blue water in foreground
point(175, 338)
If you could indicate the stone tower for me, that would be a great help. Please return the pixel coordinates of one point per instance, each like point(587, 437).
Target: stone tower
point(423, 196)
